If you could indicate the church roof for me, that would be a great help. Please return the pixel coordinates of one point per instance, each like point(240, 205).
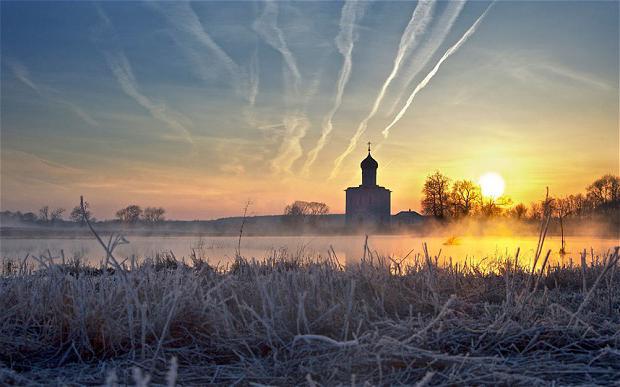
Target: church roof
point(369, 163)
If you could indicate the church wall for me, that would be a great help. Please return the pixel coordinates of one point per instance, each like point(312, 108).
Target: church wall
point(368, 206)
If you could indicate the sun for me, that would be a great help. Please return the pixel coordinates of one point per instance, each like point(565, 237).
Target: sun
point(492, 185)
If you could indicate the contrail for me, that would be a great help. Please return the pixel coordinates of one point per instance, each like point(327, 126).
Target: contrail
point(295, 123)
point(437, 35)
point(432, 73)
point(295, 126)
point(253, 78)
point(418, 23)
point(119, 64)
point(352, 11)
point(186, 23)
point(121, 68)
point(21, 73)
point(183, 17)
point(267, 27)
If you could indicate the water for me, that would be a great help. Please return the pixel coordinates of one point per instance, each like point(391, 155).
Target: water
point(348, 248)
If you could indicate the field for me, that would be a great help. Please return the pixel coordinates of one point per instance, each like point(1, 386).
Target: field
point(294, 319)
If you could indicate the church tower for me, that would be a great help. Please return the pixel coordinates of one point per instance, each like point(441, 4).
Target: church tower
point(369, 170)
point(368, 205)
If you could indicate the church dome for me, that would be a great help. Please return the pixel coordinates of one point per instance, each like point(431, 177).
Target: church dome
point(369, 163)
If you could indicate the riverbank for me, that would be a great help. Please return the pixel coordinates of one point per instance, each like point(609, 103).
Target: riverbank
point(329, 225)
point(292, 319)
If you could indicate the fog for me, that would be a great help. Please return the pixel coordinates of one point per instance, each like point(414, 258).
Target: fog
point(221, 250)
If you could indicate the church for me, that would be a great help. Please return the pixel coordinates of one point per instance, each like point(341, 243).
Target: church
point(368, 205)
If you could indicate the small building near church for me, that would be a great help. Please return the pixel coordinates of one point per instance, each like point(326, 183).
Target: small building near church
point(368, 205)
point(406, 218)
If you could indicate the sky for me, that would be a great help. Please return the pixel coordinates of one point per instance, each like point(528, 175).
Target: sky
point(200, 107)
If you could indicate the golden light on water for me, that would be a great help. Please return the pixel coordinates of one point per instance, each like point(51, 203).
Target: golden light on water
point(492, 185)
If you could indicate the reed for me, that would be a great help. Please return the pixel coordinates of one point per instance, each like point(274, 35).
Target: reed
point(298, 319)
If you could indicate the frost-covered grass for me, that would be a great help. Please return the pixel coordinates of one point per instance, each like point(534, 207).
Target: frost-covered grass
point(293, 319)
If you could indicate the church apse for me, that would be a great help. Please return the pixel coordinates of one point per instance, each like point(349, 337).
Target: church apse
point(368, 205)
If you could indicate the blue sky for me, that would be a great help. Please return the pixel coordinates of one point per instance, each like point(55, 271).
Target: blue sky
point(201, 106)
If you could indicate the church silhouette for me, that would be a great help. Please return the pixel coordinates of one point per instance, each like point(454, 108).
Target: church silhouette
point(368, 205)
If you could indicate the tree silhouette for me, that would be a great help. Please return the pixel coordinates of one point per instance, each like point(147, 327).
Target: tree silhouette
point(519, 211)
point(44, 214)
point(464, 196)
point(80, 217)
point(297, 212)
point(604, 193)
point(129, 214)
point(436, 195)
point(153, 214)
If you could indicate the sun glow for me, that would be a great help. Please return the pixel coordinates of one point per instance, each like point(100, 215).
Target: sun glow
point(492, 185)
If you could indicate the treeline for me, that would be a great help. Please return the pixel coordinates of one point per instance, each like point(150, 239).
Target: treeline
point(132, 214)
point(300, 212)
point(443, 199)
point(47, 216)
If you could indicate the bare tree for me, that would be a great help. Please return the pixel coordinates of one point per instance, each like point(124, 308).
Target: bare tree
point(130, 214)
point(301, 208)
point(578, 204)
point(56, 214)
point(47, 215)
point(79, 216)
point(436, 197)
point(536, 211)
point(604, 193)
point(317, 208)
point(299, 211)
point(519, 211)
point(494, 206)
point(44, 214)
point(153, 214)
point(464, 196)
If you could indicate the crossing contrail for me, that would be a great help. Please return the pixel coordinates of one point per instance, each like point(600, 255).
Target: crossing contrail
point(426, 51)
point(295, 122)
point(432, 73)
point(352, 11)
point(267, 27)
point(120, 67)
point(190, 35)
point(295, 126)
point(21, 73)
point(123, 72)
point(418, 24)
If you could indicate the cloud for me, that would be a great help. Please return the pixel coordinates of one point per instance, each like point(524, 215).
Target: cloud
point(417, 25)
point(432, 73)
point(352, 11)
point(437, 35)
point(22, 74)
